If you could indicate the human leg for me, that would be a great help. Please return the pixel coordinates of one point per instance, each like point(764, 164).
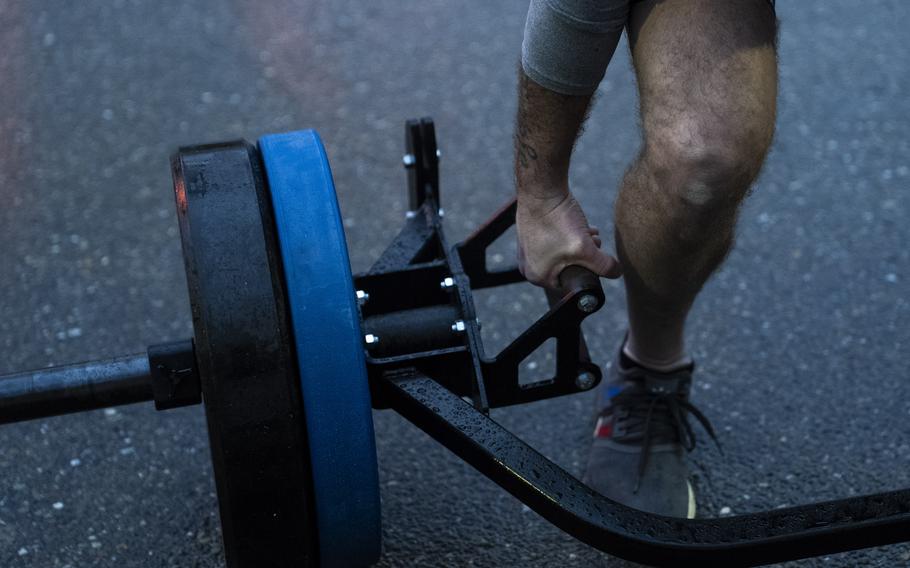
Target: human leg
point(707, 75)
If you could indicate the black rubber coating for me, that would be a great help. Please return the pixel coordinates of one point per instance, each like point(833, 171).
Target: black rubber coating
point(245, 357)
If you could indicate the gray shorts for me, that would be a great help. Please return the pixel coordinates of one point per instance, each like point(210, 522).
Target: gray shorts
point(568, 43)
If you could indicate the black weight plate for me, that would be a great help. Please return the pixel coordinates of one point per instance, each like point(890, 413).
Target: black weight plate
point(246, 360)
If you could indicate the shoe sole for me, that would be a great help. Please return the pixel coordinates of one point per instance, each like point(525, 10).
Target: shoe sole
point(691, 510)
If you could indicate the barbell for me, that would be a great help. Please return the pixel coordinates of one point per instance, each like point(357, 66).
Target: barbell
point(291, 352)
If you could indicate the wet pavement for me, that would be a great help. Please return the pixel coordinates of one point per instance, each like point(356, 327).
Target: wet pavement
point(802, 338)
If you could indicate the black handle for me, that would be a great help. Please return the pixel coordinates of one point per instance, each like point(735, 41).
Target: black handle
point(574, 277)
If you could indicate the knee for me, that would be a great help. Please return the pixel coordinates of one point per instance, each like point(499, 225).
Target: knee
point(708, 172)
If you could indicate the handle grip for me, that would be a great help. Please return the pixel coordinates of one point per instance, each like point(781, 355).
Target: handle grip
point(574, 277)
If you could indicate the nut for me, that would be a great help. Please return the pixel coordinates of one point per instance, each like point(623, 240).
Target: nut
point(588, 303)
point(585, 380)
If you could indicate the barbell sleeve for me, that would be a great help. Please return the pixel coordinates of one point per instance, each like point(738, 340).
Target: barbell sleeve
point(166, 374)
point(74, 388)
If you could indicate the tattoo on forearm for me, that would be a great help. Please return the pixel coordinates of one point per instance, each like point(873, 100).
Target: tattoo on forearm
point(547, 126)
point(526, 153)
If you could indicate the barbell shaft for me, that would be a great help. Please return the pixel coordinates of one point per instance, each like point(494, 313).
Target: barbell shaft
point(74, 388)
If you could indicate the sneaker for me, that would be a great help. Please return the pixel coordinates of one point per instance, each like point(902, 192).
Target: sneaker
point(638, 457)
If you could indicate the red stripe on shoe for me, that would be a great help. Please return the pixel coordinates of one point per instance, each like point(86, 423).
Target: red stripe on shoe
point(604, 428)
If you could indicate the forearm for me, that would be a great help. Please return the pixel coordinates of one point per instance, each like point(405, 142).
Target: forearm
point(548, 124)
point(553, 232)
point(567, 46)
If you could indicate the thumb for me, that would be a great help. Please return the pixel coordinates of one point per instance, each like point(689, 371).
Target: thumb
point(603, 264)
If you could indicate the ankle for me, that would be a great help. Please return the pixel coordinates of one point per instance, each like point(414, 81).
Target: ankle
point(664, 363)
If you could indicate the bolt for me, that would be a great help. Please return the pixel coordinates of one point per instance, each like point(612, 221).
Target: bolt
point(585, 380)
point(371, 340)
point(588, 303)
point(408, 160)
point(447, 284)
point(362, 297)
point(441, 212)
point(438, 153)
point(477, 321)
point(410, 214)
point(458, 326)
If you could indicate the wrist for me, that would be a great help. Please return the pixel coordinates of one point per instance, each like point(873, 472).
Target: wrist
point(540, 200)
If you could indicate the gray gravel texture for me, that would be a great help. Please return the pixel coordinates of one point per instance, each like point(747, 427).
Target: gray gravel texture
point(802, 338)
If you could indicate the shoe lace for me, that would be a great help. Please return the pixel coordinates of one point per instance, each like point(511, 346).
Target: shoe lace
point(661, 410)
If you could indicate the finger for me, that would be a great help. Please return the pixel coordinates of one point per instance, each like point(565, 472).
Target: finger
point(604, 265)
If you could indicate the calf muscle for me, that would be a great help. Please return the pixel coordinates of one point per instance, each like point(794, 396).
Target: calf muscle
point(707, 74)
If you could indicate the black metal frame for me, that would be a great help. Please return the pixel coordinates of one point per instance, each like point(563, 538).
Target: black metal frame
point(746, 540)
point(426, 322)
point(427, 387)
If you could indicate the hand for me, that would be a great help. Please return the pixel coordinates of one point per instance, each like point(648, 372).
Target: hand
point(553, 234)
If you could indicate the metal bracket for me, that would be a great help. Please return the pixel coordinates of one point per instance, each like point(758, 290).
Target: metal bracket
point(175, 378)
point(581, 296)
point(473, 250)
point(422, 162)
point(421, 305)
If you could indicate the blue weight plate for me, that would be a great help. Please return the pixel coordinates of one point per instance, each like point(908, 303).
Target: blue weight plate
point(329, 345)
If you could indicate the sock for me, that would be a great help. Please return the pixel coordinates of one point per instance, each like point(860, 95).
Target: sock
point(676, 364)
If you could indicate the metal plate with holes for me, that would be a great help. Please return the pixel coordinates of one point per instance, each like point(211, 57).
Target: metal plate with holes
point(329, 345)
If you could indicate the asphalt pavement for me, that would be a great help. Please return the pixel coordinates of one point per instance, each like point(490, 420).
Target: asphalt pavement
point(802, 338)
